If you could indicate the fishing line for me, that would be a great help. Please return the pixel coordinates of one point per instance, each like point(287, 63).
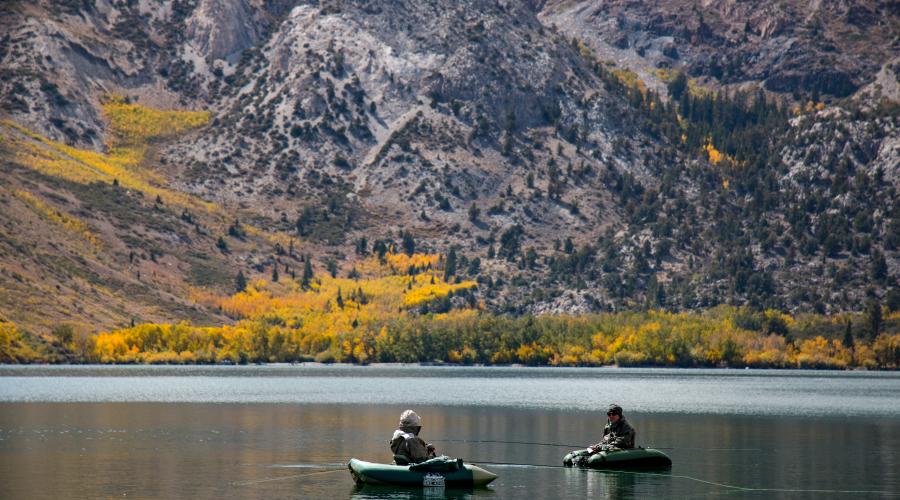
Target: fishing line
point(514, 464)
point(581, 446)
point(697, 479)
point(546, 466)
point(746, 488)
point(559, 445)
point(702, 449)
point(280, 478)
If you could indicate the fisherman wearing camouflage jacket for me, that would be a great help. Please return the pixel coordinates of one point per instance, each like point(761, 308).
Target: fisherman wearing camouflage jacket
point(618, 433)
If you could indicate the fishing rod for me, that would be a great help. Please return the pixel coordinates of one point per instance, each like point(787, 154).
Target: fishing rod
point(580, 446)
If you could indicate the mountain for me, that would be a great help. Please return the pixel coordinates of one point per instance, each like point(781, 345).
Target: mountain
point(830, 49)
point(575, 156)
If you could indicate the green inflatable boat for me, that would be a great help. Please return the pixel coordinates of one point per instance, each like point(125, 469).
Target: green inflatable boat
point(637, 458)
point(438, 472)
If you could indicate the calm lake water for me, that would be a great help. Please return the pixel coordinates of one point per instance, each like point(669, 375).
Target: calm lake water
point(288, 431)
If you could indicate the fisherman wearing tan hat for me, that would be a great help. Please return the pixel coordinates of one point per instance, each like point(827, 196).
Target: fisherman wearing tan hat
point(407, 446)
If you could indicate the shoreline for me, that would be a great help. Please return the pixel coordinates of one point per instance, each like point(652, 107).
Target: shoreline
point(440, 365)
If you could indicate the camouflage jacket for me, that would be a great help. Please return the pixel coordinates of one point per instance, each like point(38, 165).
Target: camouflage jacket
point(619, 435)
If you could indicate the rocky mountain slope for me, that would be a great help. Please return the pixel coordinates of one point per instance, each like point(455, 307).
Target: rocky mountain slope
point(575, 155)
point(830, 49)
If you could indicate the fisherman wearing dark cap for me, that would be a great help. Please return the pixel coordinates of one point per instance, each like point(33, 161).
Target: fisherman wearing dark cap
point(618, 433)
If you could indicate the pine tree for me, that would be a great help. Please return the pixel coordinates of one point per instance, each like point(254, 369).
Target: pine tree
point(221, 244)
point(879, 266)
point(380, 248)
point(307, 274)
point(409, 244)
point(340, 299)
point(362, 246)
point(240, 282)
point(873, 317)
point(678, 86)
point(848, 335)
point(450, 265)
point(235, 231)
point(275, 273)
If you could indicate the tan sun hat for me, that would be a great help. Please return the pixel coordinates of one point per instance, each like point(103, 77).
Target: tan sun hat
point(410, 418)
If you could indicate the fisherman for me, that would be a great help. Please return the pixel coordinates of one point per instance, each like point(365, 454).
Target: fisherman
point(618, 433)
point(406, 444)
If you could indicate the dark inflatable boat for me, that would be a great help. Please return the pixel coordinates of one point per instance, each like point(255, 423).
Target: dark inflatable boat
point(636, 458)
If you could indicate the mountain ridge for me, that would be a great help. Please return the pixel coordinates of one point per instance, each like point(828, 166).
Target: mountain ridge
point(584, 169)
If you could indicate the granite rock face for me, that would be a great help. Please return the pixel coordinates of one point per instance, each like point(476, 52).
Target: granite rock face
point(828, 48)
point(494, 127)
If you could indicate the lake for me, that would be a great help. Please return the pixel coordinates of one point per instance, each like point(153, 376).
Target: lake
point(287, 431)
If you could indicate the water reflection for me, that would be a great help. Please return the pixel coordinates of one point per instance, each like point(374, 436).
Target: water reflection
point(154, 450)
point(270, 451)
point(367, 492)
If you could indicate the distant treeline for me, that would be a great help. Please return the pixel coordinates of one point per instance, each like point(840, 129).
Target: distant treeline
point(719, 337)
point(398, 307)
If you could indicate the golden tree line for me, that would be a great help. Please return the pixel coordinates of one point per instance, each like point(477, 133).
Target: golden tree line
point(392, 316)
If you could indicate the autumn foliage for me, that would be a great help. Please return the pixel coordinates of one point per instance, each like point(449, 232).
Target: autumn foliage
point(394, 318)
point(133, 128)
point(335, 319)
point(134, 124)
point(312, 326)
point(14, 348)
